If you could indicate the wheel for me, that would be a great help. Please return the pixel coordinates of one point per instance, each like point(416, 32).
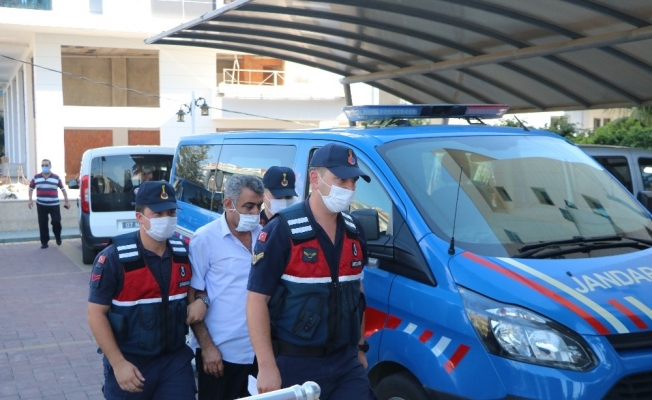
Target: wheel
point(400, 386)
point(88, 254)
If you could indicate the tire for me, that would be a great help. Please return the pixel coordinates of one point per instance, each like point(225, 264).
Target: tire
point(400, 386)
point(88, 254)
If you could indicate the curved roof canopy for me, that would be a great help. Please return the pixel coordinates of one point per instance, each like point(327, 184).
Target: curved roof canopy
point(533, 55)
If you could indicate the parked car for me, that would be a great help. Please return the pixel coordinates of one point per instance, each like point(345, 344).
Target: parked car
point(108, 178)
point(632, 167)
point(504, 263)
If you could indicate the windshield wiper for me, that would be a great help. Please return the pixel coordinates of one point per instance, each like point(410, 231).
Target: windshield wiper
point(581, 243)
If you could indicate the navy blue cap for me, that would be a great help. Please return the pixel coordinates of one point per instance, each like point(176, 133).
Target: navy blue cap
point(280, 181)
point(340, 160)
point(157, 195)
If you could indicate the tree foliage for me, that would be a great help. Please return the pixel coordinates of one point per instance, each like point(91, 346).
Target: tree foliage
point(565, 129)
point(629, 132)
point(643, 114)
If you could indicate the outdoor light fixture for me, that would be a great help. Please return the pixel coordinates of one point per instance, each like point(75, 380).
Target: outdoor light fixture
point(181, 115)
point(204, 107)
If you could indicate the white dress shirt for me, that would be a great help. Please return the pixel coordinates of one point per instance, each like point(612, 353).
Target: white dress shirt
point(220, 265)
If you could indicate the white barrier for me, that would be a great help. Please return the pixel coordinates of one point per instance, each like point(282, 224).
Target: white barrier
point(307, 391)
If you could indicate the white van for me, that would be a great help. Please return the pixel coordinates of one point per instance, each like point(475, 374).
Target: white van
point(107, 180)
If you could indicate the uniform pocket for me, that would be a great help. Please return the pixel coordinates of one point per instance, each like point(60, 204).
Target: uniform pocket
point(277, 303)
point(118, 324)
point(309, 317)
point(149, 334)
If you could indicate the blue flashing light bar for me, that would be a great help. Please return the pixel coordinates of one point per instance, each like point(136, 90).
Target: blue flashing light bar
point(378, 113)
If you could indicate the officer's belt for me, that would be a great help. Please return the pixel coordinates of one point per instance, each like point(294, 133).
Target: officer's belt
point(282, 348)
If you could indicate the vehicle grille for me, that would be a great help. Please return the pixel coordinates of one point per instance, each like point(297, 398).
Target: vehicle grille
point(632, 387)
point(631, 341)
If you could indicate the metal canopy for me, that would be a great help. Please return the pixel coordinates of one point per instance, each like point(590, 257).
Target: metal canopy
point(531, 54)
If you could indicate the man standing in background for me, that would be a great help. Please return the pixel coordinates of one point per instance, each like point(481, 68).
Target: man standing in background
point(47, 202)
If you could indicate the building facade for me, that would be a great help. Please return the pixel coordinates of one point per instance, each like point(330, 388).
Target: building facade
point(76, 74)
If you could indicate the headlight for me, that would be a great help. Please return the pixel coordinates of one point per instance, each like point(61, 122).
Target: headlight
point(513, 332)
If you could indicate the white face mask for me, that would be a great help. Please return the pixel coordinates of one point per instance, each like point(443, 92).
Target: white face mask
point(161, 229)
point(247, 222)
point(278, 205)
point(339, 199)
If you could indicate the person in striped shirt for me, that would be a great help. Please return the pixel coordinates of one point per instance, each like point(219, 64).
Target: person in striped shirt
point(47, 202)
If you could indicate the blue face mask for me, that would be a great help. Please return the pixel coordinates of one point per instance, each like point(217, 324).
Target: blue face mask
point(46, 170)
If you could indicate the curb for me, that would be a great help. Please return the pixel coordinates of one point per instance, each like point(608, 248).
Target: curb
point(33, 236)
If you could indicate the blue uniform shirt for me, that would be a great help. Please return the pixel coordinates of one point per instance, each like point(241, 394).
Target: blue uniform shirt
point(274, 244)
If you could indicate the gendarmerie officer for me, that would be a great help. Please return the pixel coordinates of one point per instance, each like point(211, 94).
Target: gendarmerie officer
point(279, 191)
point(305, 303)
point(137, 304)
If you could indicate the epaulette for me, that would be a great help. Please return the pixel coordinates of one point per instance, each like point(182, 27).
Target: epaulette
point(348, 222)
point(297, 222)
point(179, 250)
point(127, 251)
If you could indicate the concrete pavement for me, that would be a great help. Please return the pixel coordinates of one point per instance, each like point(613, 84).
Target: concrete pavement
point(46, 348)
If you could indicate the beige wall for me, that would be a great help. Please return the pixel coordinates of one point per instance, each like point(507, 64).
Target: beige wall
point(140, 74)
point(16, 216)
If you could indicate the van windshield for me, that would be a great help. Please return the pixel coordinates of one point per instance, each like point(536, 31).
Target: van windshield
point(513, 191)
point(114, 178)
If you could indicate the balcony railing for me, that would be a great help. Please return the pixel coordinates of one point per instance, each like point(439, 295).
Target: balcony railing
point(258, 77)
point(30, 4)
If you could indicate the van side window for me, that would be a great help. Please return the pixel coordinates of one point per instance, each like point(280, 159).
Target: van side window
point(254, 159)
point(202, 170)
point(195, 178)
point(645, 165)
point(373, 195)
point(618, 167)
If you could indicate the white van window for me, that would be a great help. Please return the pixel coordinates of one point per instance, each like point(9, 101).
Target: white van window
point(618, 167)
point(199, 176)
point(114, 178)
point(645, 165)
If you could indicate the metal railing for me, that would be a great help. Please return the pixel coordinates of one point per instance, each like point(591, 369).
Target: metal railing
point(261, 77)
point(307, 391)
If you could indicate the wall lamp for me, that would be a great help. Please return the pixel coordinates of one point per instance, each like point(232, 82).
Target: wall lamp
point(181, 114)
point(204, 107)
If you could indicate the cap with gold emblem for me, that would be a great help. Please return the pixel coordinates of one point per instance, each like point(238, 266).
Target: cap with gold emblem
point(340, 160)
point(280, 181)
point(157, 195)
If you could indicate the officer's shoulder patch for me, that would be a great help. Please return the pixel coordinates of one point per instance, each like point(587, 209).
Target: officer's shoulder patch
point(96, 274)
point(262, 237)
point(257, 257)
point(101, 259)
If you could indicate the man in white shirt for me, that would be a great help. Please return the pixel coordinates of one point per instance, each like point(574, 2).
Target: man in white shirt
point(220, 254)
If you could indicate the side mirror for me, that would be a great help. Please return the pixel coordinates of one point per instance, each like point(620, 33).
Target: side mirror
point(645, 198)
point(368, 218)
point(73, 184)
